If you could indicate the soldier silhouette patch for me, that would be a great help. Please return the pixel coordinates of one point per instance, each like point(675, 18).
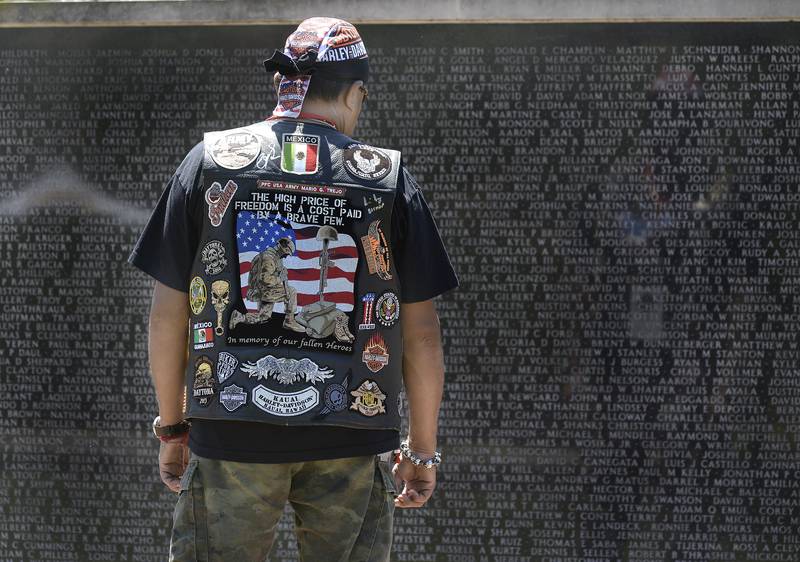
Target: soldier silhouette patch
point(297, 284)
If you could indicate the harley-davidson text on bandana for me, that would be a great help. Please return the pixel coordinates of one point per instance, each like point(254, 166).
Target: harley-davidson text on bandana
point(336, 44)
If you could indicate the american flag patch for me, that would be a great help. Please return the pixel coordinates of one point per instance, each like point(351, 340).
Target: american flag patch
point(255, 232)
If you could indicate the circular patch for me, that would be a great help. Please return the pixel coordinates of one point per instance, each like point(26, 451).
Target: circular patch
point(236, 150)
point(213, 256)
point(335, 397)
point(387, 309)
point(366, 162)
point(197, 295)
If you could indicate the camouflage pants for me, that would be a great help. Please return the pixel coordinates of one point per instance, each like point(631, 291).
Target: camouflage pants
point(229, 511)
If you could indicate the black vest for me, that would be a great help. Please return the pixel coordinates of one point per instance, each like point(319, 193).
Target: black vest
point(294, 295)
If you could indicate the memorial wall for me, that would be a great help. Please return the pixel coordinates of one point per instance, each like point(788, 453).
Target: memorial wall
point(620, 202)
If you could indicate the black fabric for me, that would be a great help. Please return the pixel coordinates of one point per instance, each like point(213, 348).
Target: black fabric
point(166, 248)
point(243, 441)
point(422, 262)
point(165, 251)
point(356, 69)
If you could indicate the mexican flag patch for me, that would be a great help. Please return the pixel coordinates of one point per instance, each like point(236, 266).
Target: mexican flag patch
point(300, 154)
point(203, 335)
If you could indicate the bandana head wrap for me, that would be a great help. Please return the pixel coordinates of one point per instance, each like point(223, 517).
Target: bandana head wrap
point(326, 47)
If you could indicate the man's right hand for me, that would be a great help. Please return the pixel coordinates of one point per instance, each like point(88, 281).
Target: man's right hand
point(173, 457)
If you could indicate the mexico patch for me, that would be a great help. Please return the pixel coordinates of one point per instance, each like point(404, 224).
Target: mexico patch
point(202, 335)
point(300, 153)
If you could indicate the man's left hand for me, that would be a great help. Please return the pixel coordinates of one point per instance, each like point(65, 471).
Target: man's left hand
point(417, 482)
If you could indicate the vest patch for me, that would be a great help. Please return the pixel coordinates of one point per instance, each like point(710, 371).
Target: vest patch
point(233, 397)
point(368, 399)
point(366, 162)
point(301, 187)
point(299, 154)
point(387, 309)
point(376, 353)
point(368, 307)
point(220, 297)
point(213, 256)
point(226, 366)
point(376, 250)
point(303, 272)
point(203, 388)
point(218, 200)
point(285, 403)
point(197, 295)
point(202, 335)
point(236, 150)
point(287, 370)
point(267, 156)
point(335, 397)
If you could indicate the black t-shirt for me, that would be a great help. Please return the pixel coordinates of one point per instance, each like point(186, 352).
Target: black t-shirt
point(166, 249)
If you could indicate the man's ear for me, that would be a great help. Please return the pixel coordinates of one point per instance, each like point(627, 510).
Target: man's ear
point(353, 94)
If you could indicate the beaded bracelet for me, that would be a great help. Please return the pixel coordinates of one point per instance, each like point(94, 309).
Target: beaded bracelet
point(432, 462)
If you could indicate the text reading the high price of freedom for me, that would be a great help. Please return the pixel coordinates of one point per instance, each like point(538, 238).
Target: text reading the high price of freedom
point(308, 209)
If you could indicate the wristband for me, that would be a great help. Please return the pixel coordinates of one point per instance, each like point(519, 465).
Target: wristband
point(170, 431)
point(183, 438)
point(407, 453)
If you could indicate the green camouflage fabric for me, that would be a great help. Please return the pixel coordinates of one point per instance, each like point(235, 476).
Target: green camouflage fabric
point(229, 511)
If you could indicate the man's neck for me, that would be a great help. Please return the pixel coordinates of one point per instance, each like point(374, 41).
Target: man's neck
point(323, 111)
